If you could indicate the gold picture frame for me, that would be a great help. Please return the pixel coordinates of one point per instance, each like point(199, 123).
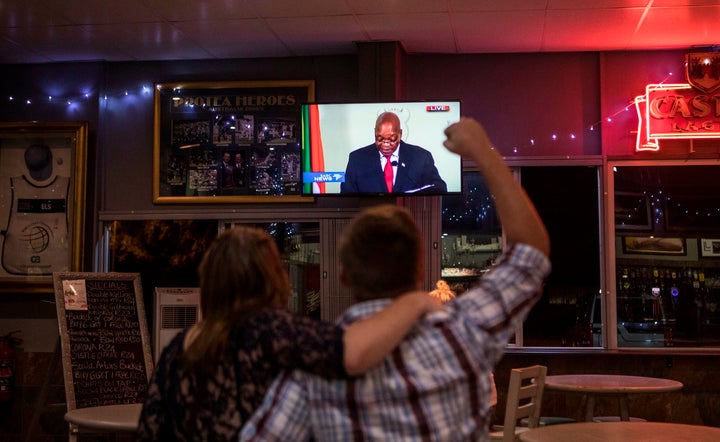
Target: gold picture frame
point(200, 125)
point(42, 214)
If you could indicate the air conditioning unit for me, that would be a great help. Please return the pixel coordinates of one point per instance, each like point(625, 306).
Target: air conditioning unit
point(176, 308)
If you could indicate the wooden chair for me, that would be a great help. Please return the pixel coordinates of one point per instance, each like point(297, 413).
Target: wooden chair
point(524, 400)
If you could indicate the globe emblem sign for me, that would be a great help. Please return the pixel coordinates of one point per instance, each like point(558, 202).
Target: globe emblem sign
point(37, 237)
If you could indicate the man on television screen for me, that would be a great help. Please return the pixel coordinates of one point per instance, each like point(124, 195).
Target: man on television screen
point(391, 165)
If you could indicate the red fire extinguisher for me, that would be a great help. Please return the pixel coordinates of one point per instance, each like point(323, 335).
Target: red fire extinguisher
point(7, 364)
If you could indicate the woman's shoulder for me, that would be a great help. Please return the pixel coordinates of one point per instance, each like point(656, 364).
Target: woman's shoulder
point(273, 314)
point(274, 318)
point(279, 323)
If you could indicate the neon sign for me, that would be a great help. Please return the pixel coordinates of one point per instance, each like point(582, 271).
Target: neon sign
point(681, 111)
point(675, 111)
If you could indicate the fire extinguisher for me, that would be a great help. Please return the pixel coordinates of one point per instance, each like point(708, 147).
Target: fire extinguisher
point(7, 365)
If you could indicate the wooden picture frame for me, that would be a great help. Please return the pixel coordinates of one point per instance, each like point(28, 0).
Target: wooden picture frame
point(42, 210)
point(653, 245)
point(104, 337)
point(199, 125)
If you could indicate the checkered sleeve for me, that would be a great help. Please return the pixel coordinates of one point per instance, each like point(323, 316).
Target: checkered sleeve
point(503, 297)
point(283, 415)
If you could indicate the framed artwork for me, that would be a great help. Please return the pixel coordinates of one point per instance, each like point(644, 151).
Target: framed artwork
point(652, 245)
point(43, 173)
point(709, 248)
point(632, 211)
point(229, 142)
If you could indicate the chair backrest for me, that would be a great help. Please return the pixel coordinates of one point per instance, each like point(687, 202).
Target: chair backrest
point(524, 398)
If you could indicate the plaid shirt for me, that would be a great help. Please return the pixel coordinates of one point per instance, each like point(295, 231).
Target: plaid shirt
point(434, 387)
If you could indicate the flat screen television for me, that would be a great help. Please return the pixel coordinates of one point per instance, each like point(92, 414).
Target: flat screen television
point(341, 156)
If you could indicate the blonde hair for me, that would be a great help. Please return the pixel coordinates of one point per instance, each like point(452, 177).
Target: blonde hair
point(442, 291)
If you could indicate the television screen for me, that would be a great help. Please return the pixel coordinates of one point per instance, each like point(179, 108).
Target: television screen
point(389, 148)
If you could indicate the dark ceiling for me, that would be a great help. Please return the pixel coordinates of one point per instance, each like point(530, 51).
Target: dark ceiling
point(41, 31)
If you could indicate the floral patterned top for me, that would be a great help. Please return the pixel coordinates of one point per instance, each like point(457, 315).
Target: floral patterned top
point(179, 407)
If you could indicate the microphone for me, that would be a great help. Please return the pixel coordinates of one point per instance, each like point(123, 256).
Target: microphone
point(394, 164)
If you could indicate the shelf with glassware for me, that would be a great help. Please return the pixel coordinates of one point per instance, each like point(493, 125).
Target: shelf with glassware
point(682, 296)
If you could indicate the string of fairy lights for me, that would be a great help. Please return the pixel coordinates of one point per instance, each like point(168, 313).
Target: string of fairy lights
point(478, 203)
point(75, 102)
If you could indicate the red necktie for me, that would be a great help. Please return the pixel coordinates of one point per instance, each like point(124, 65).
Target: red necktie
point(388, 173)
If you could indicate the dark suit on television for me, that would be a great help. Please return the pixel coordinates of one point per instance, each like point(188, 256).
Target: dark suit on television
point(415, 169)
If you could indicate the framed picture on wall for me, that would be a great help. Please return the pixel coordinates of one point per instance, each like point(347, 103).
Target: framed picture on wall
point(653, 245)
point(42, 210)
point(709, 247)
point(632, 211)
point(229, 142)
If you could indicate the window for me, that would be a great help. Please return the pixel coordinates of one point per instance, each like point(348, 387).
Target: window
point(567, 199)
point(167, 253)
point(667, 274)
point(471, 234)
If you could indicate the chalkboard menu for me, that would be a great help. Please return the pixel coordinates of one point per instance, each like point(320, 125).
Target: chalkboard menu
point(104, 335)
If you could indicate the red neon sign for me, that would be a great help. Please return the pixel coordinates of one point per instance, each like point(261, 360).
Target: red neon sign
point(675, 111)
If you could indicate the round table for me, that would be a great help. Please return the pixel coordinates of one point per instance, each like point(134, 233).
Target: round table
point(107, 417)
point(622, 431)
point(609, 384)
